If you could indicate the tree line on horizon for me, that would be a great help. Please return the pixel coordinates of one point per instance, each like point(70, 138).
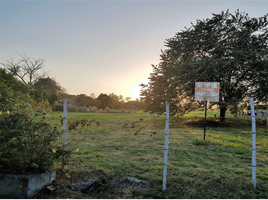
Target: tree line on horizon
point(26, 74)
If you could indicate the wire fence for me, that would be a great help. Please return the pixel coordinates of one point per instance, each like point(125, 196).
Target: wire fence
point(173, 152)
point(124, 150)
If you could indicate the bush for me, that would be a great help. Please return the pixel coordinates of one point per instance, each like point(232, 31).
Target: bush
point(81, 109)
point(27, 140)
point(107, 109)
point(16, 101)
point(58, 107)
point(26, 144)
point(72, 109)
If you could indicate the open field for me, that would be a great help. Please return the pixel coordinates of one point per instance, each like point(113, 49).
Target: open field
point(132, 144)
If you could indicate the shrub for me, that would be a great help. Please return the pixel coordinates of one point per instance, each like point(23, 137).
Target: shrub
point(16, 101)
point(81, 109)
point(58, 107)
point(27, 140)
point(72, 108)
point(107, 109)
point(25, 144)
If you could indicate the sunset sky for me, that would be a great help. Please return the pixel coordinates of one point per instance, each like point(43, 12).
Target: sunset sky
point(102, 46)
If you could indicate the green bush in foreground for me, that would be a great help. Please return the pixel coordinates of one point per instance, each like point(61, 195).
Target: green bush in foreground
point(25, 144)
point(28, 143)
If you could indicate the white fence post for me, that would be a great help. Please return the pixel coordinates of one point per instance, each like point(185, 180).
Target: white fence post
point(64, 121)
point(64, 127)
point(253, 142)
point(166, 146)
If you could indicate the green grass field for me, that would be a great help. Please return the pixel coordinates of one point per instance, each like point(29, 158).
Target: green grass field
point(132, 144)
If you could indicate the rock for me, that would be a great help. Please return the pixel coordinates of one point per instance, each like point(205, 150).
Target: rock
point(51, 188)
point(24, 186)
point(86, 188)
point(124, 183)
point(130, 182)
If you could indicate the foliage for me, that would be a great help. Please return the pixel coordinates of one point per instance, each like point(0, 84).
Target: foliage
point(49, 89)
point(19, 101)
point(134, 105)
point(26, 144)
point(15, 95)
point(27, 140)
point(117, 101)
point(25, 68)
point(228, 48)
point(43, 97)
point(86, 101)
point(107, 109)
point(105, 100)
point(11, 82)
point(49, 85)
point(70, 108)
point(237, 109)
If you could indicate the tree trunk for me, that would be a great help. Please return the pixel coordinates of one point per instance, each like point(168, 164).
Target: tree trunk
point(222, 113)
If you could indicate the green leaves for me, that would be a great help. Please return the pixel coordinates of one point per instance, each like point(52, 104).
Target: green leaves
point(25, 139)
point(228, 48)
point(26, 144)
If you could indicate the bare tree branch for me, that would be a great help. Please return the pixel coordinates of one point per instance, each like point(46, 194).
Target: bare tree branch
point(26, 69)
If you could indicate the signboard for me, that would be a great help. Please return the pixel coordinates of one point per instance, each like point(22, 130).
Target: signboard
point(207, 91)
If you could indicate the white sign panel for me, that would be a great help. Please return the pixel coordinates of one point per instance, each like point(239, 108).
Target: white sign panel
point(207, 91)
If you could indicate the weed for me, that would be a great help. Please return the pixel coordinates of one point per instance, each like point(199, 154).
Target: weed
point(200, 142)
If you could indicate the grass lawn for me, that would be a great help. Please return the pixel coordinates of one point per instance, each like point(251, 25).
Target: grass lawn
point(132, 144)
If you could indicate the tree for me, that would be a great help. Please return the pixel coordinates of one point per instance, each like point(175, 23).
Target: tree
point(128, 99)
point(49, 85)
point(92, 95)
point(39, 96)
point(260, 74)
point(26, 69)
point(116, 101)
point(224, 49)
point(106, 101)
point(121, 98)
point(84, 100)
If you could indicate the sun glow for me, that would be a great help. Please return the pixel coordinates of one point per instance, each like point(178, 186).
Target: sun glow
point(136, 89)
point(131, 88)
point(128, 84)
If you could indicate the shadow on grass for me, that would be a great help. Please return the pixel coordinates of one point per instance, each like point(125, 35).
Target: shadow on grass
point(215, 122)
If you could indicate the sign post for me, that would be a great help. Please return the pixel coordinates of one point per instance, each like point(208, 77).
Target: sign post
point(207, 91)
point(205, 120)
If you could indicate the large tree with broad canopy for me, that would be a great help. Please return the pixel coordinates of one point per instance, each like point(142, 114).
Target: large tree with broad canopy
point(228, 48)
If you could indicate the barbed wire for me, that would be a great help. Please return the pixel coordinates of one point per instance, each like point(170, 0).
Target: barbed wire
point(169, 165)
point(171, 150)
point(160, 134)
point(174, 149)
